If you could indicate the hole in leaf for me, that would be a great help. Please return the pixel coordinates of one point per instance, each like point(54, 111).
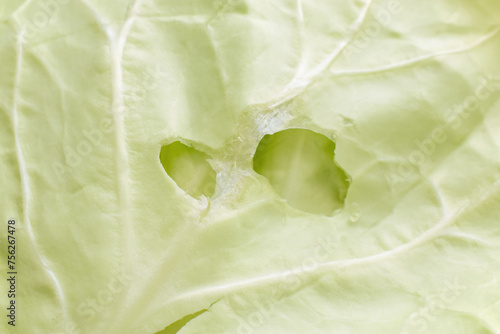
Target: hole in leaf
point(189, 168)
point(176, 326)
point(300, 166)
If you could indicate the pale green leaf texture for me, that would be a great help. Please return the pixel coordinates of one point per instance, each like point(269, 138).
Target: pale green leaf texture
point(237, 166)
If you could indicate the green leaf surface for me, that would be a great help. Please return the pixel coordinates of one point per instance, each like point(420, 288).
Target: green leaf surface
point(109, 240)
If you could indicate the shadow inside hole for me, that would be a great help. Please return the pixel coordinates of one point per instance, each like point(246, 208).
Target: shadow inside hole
point(189, 169)
point(299, 164)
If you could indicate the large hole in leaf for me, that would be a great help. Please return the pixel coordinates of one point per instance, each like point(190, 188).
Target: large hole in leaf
point(300, 166)
point(189, 168)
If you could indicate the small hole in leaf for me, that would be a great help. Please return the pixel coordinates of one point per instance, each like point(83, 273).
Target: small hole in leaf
point(300, 166)
point(177, 326)
point(189, 168)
